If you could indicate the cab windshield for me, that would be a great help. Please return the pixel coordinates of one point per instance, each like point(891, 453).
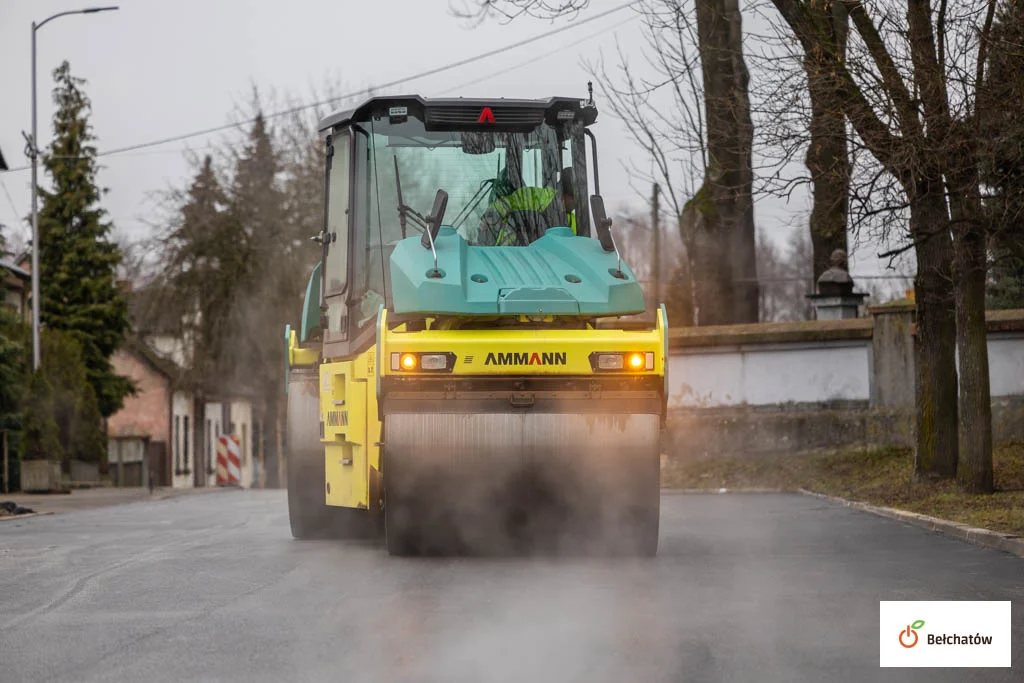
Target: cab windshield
point(503, 188)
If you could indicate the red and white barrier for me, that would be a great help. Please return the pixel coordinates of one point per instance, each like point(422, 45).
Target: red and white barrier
point(229, 461)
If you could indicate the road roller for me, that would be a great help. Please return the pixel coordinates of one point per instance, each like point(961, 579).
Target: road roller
point(462, 378)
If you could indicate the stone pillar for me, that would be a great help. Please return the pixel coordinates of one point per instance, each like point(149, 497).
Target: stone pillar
point(835, 298)
point(892, 350)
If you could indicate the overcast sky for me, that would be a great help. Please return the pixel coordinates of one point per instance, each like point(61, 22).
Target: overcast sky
point(159, 68)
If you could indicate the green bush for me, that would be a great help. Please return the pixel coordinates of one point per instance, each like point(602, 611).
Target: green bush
point(88, 442)
point(40, 437)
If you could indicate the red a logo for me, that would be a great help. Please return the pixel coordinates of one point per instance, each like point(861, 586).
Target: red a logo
point(486, 116)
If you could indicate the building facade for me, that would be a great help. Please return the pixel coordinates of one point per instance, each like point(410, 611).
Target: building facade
point(16, 289)
point(157, 428)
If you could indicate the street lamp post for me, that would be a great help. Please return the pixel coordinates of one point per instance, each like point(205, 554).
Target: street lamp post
point(34, 153)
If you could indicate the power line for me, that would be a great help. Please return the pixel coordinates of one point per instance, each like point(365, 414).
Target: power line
point(491, 75)
point(537, 58)
point(9, 200)
point(179, 150)
point(390, 84)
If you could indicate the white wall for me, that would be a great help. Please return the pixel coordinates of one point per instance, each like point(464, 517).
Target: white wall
point(213, 431)
point(1006, 364)
point(241, 424)
point(241, 416)
point(770, 374)
point(169, 347)
point(182, 438)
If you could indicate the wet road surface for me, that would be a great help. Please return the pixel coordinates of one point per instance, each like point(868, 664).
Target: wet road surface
point(746, 587)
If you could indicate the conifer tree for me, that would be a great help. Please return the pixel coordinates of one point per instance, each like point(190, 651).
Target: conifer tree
point(78, 259)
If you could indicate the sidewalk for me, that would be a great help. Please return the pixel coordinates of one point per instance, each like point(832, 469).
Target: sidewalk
point(88, 499)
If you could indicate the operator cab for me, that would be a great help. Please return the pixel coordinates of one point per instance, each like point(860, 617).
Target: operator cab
point(510, 169)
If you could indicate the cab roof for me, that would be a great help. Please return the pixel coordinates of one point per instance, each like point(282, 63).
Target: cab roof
point(459, 113)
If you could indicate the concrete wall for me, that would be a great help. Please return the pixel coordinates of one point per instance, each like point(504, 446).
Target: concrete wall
point(239, 416)
point(39, 475)
point(214, 428)
point(786, 387)
point(770, 374)
point(1006, 363)
point(182, 441)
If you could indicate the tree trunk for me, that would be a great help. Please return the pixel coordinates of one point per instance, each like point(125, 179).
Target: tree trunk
point(712, 281)
point(199, 437)
point(935, 450)
point(974, 468)
point(827, 157)
point(729, 176)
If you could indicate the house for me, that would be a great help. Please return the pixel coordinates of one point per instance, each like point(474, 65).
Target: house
point(156, 430)
point(139, 435)
point(16, 289)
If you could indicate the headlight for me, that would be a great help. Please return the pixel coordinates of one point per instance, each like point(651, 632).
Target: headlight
point(433, 361)
point(630, 361)
point(408, 361)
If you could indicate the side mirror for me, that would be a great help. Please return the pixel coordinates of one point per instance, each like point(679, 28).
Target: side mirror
point(434, 219)
point(602, 223)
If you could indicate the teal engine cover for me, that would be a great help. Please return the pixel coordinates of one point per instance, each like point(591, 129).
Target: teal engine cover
point(559, 274)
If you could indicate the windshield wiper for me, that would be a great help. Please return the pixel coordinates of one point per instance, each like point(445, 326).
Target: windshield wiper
point(402, 208)
point(407, 213)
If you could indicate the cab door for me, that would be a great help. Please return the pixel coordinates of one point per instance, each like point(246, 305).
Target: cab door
point(336, 238)
point(346, 413)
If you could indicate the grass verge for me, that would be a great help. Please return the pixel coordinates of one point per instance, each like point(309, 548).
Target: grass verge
point(879, 477)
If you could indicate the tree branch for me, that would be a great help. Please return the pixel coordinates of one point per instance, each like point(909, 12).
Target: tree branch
point(930, 77)
point(895, 86)
point(986, 35)
point(886, 147)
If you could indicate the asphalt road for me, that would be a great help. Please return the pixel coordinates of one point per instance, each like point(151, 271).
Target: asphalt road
point(213, 588)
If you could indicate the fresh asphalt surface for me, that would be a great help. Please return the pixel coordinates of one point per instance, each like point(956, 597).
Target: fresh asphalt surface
point(746, 588)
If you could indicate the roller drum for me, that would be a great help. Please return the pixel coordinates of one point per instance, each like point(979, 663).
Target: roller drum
point(498, 482)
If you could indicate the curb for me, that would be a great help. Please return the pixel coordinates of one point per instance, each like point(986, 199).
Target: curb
point(11, 518)
point(721, 491)
point(983, 537)
point(156, 497)
point(179, 493)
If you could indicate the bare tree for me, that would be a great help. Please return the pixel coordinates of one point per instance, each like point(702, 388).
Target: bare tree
point(907, 87)
point(827, 155)
point(1002, 139)
point(729, 179)
point(507, 10)
point(698, 134)
point(636, 244)
point(786, 277)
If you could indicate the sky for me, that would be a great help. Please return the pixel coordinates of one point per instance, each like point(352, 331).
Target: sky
point(161, 68)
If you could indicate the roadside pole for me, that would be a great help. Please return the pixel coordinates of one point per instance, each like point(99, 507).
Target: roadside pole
point(656, 227)
point(120, 463)
point(7, 470)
